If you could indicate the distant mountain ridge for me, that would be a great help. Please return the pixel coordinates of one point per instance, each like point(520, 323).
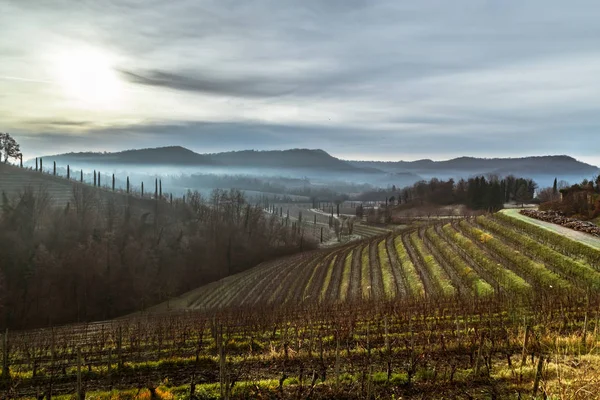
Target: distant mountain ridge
point(545, 165)
point(180, 156)
point(320, 160)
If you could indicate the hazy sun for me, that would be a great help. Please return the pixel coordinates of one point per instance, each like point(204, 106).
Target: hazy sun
point(88, 77)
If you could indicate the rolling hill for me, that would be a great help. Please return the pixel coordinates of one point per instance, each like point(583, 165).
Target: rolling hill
point(540, 168)
point(180, 156)
point(465, 259)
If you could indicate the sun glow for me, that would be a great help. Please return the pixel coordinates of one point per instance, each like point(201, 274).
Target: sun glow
point(88, 77)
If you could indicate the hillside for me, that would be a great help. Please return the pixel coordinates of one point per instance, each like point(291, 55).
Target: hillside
point(465, 259)
point(444, 311)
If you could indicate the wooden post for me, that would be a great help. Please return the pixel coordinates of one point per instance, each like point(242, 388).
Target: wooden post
point(127, 185)
point(99, 184)
point(171, 198)
point(81, 176)
point(109, 367)
point(119, 346)
point(54, 168)
point(113, 182)
point(68, 172)
point(5, 354)
point(21, 160)
point(142, 188)
point(160, 188)
point(41, 165)
point(156, 188)
point(538, 375)
point(36, 163)
point(95, 178)
point(52, 360)
point(321, 234)
point(80, 393)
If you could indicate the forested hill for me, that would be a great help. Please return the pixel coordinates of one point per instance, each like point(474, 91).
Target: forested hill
point(550, 165)
point(180, 156)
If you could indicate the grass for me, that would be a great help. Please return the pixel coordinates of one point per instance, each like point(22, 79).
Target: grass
point(327, 280)
point(345, 284)
point(389, 282)
point(438, 276)
point(365, 276)
point(415, 286)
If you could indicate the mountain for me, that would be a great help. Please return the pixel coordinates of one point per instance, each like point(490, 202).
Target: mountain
point(559, 166)
point(180, 156)
point(173, 155)
point(293, 158)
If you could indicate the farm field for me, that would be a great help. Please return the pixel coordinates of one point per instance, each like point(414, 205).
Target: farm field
point(13, 180)
point(487, 307)
point(445, 349)
point(478, 258)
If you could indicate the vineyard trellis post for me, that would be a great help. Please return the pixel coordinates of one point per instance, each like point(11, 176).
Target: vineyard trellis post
point(41, 165)
point(54, 168)
point(99, 184)
point(95, 178)
point(5, 355)
point(68, 172)
point(119, 348)
point(113, 182)
point(80, 392)
point(52, 361)
point(127, 185)
point(81, 176)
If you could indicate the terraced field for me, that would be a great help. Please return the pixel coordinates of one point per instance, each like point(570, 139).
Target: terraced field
point(13, 180)
point(496, 255)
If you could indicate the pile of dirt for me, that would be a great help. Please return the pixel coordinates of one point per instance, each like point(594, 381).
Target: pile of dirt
point(556, 217)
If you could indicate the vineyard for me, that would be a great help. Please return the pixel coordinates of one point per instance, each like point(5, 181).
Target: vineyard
point(483, 257)
point(481, 349)
point(496, 306)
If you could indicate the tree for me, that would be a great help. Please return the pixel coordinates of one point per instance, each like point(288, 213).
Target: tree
point(9, 148)
point(522, 196)
point(555, 187)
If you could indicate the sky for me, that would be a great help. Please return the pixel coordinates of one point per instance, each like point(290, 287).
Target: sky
point(381, 80)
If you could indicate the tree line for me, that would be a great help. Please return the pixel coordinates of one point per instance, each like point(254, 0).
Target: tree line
point(478, 193)
point(105, 255)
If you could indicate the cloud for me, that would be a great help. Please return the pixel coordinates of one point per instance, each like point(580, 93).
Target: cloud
point(381, 79)
point(238, 87)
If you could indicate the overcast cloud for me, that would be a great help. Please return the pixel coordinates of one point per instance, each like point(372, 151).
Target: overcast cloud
point(360, 79)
